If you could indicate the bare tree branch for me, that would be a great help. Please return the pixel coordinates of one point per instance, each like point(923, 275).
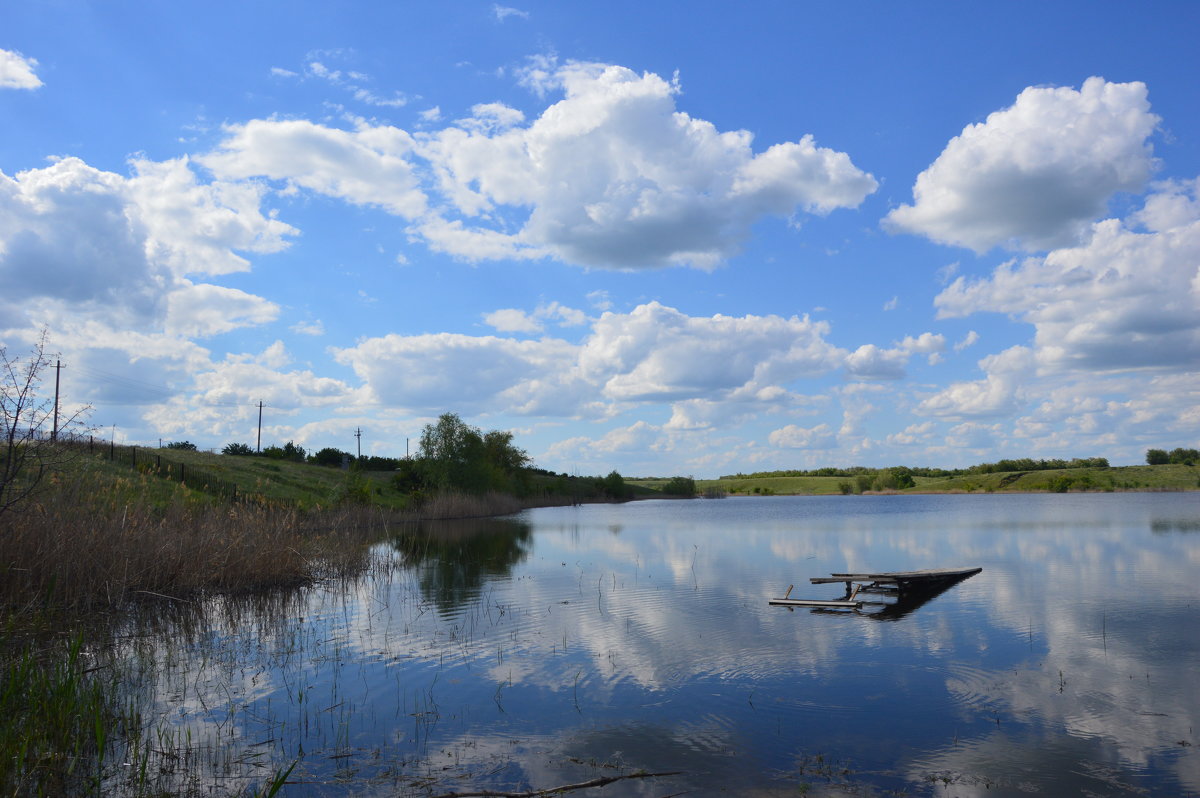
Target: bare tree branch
point(28, 453)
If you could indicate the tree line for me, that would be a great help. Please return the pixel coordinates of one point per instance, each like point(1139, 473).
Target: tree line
point(902, 471)
point(1177, 456)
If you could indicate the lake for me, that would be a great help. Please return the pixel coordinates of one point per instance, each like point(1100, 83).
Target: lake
point(568, 644)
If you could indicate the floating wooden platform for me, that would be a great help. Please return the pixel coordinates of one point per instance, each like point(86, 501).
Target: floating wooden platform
point(911, 588)
point(901, 579)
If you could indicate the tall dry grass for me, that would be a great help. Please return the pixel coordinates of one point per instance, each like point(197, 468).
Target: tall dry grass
point(90, 544)
point(451, 505)
point(94, 541)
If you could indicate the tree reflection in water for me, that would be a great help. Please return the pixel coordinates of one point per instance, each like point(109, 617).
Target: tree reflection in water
point(454, 559)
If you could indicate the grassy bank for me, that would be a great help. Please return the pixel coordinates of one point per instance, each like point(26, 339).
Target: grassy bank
point(110, 530)
point(1120, 478)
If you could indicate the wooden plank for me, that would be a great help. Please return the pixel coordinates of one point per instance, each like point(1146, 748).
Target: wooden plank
point(929, 575)
point(813, 603)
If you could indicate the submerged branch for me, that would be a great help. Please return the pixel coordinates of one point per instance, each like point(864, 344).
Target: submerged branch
point(583, 785)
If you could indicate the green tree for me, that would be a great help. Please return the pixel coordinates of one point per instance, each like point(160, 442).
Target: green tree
point(182, 446)
point(1184, 456)
point(903, 477)
point(451, 451)
point(457, 456)
point(615, 487)
point(240, 449)
point(680, 486)
point(293, 452)
point(329, 456)
point(1157, 457)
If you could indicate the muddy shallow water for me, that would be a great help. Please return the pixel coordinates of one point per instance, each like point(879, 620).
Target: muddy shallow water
point(568, 644)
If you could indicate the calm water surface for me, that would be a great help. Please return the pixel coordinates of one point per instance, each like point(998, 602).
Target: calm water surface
point(567, 644)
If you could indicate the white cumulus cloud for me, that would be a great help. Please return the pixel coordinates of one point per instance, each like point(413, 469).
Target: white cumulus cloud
point(1126, 299)
point(515, 320)
point(367, 166)
point(1000, 393)
point(870, 362)
point(468, 373)
point(17, 71)
point(612, 175)
point(709, 368)
point(1035, 174)
point(658, 353)
point(793, 437)
point(615, 175)
point(84, 244)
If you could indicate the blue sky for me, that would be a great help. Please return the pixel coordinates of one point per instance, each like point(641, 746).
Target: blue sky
point(668, 238)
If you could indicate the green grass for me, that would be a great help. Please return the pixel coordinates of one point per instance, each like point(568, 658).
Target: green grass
point(775, 486)
point(55, 718)
point(303, 485)
point(1121, 478)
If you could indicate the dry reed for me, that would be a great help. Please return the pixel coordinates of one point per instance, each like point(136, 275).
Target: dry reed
point(94, 542)
point(88, 546)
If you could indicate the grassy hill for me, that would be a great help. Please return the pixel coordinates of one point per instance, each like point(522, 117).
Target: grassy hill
point(209, 478)
point(1144, 478)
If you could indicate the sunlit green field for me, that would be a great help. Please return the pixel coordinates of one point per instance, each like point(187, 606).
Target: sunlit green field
point(1144, 477)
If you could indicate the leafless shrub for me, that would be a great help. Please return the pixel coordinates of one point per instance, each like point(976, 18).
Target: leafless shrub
point(34, 434)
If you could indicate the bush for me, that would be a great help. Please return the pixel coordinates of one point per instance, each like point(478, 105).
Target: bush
point(329, 456)
point(183, 446)
point(240, 449)
point(1060, 484)
point(1185, 456)
point(289, 451)
point(354, 489)
point(375, 463)
point(410, 478)
point(615, 487)
point(680, 486)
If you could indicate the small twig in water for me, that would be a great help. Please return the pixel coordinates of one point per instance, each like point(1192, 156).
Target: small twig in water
point(583, 785)
point(163, 595)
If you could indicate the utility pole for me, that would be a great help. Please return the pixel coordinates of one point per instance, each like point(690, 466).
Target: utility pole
point(258, 445)
point(57, 372)
point(358, 434)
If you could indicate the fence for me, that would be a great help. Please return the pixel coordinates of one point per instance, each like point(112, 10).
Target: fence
point(152, 461)
point(149, 460)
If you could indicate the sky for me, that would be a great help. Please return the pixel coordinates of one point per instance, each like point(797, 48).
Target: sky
point(669, 238)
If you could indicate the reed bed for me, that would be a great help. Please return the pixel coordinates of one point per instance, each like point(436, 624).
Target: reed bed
point(91, 545)
point(96, 542)
point(451, 505)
